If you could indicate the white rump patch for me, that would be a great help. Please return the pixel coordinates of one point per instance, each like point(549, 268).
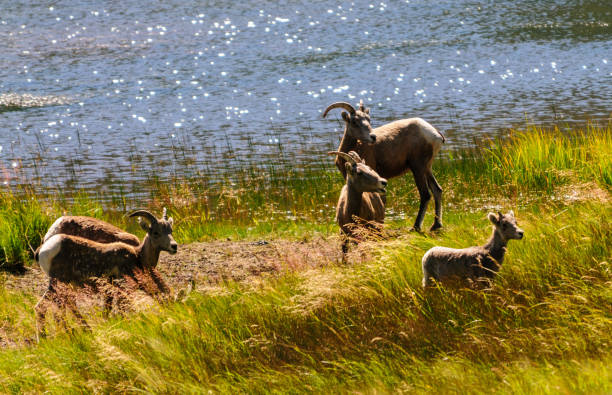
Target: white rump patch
point(48, 251)
point(429, 132)
point(53, 229)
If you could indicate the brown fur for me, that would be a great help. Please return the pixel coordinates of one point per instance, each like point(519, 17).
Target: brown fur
point(473, 263)
point(92, 229)
point(61, 297)
point(79, 260)
point(394, 149)
point(362, 198)
point(75, 262)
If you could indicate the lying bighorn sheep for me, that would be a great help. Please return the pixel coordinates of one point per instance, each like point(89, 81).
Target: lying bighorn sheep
point(481, 262)
point(72, 258)
point(102, 232)
point(393, 149)
point(69, 258)
point(362, 196)
point(92, 229)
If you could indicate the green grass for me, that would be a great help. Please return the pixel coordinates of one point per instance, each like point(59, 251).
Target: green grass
point(367, 326)
point(544, 327)
point(261, 199)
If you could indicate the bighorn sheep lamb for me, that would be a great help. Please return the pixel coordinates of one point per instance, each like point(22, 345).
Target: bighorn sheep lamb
point(92, 229)
point(361, 196)
point(469, 264)
point(393, 149)
point(69, 258)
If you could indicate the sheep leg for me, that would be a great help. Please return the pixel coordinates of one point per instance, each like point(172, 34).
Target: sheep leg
point(427, 280)
point(345, 249)
point(436, 190)
point(345, 245)
point(420, 179)
point(108, 304)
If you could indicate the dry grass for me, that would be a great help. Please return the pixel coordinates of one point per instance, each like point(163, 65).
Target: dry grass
point(288, 317)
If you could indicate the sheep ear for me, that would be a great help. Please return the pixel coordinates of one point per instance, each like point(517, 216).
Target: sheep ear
point(493, 218)
point(367, 111)
point(170, 221)
point(345, 116)
point(511, 213)
point(144, 225)
point(349, 167)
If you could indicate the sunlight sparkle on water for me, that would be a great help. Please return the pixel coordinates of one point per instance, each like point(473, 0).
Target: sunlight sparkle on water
point(91, 55)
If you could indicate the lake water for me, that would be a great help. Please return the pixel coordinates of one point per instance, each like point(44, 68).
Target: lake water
point(131, 79)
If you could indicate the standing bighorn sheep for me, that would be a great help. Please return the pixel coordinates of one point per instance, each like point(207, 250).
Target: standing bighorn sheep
point(393, 149)
point(469, 264)
point(69, 258)
point(92, 229)
point(361, 197)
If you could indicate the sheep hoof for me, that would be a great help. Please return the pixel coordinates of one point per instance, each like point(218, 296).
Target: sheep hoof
point(435, 226)
point(415, 229)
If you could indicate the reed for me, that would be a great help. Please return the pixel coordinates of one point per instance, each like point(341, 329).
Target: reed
point(365, 327)
point(544, 326)
point(254, 197)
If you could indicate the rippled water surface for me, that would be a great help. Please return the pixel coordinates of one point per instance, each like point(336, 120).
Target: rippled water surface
point(102, 83)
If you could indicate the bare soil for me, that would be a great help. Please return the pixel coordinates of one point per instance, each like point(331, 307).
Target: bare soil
point(200, 265)
point(209, 263)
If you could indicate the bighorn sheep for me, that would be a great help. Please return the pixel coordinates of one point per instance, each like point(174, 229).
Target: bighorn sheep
point(393, 149)
point(362, 196)
point(92, 229)
point(72, 258)
point(482, 262)
point(68, 258)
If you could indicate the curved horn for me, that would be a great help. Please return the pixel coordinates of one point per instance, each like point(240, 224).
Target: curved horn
point(145, 214)
point(164, 215)
point(344, 155)
point(339, 104)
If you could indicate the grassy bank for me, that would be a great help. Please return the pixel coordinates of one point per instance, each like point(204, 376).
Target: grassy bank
point(286, 197)
point(544, 327)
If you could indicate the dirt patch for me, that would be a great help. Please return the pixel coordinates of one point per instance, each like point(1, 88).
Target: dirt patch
point(204, 265)
point(209, 263)
point(214, 262)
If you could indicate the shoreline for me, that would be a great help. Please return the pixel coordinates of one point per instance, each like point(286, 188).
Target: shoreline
point(268, 317)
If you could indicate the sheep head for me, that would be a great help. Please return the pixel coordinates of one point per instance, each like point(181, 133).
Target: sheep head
point(158, 230)
point(359, 175)
point(506, 226)
point(357, 121)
